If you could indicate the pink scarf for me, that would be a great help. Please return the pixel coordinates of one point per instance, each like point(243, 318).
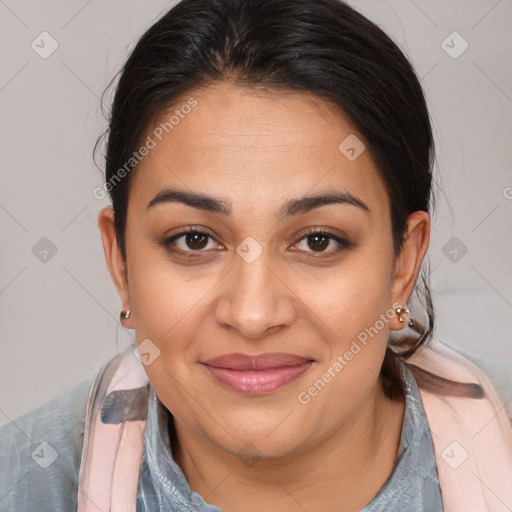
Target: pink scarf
point(472, 439)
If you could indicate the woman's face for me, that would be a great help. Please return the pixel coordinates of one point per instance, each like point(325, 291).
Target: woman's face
point(254, 281)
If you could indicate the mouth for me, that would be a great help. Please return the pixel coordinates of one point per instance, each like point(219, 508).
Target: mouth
point(257, 375)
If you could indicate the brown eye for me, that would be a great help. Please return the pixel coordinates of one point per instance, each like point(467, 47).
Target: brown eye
point(318, 242)
point(191, 243)
point(196, 241)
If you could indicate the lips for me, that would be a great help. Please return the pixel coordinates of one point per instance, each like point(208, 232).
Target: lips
point(257, 374)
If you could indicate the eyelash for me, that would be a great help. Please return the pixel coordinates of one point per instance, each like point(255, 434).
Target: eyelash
point(168, 243)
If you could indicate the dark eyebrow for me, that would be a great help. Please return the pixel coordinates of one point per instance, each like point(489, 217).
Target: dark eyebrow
point(201, 201)
point(308, 203)
point(291, 207)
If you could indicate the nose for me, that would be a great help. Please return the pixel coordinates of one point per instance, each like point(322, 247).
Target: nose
point(255, 301)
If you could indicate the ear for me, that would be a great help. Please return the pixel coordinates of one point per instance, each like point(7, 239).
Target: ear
point(114, 258)
point(408, 262)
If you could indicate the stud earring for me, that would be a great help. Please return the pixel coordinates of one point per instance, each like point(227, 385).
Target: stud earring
point(125, 314)
point(400, 311)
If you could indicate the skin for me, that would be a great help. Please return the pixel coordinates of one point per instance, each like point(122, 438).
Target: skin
point(257, 150)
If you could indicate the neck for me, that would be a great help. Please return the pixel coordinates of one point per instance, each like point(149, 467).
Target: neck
point(341, 473)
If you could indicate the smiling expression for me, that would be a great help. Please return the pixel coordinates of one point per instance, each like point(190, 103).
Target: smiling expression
point(251, 238)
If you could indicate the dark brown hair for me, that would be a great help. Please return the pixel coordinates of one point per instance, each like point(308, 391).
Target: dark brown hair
point(323, 47)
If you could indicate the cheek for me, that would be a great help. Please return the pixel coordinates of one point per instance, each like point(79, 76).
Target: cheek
point(163, 302)
point(167, 309)
point(351, 297)
point(354, 306)
point(354, 355)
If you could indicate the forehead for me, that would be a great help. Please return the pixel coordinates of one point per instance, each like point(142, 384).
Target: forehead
point(255, 147)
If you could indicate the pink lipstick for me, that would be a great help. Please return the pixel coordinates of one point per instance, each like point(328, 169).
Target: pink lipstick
point(257, 375)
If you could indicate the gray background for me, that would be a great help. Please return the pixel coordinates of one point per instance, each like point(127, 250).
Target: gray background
point(59, 312)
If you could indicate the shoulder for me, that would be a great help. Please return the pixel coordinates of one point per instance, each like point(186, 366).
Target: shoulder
point(499, 374)
point(40, 453)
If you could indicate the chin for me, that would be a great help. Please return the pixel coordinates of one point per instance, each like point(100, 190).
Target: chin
point(263, 435)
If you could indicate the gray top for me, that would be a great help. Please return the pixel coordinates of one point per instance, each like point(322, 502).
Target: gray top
point(40, 459)
point(414, 483)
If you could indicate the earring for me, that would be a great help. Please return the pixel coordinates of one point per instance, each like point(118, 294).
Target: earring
point(400, 311)
point(125, 314)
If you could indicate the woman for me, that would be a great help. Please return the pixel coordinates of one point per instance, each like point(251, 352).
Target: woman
point(269, 164)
